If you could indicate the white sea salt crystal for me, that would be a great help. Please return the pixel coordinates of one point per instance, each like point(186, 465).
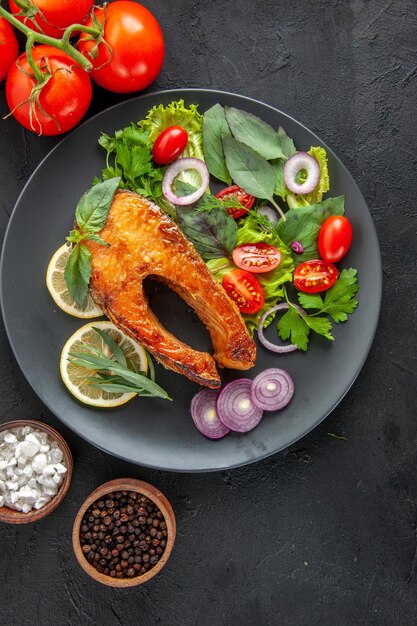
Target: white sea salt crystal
point(39, 462)
point(56, 455)
point(26, 430)
point(26, 508)
point(41, 501)
point(44, 448)
point(61, 469)
point(2, 500)
point(3, 464)
point(30, 448)
point(10, 438)
point(49, 470)
point(11, 484)
point(57, 478)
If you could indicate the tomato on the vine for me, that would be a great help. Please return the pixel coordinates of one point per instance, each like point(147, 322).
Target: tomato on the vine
point(9, 48)
point(245, 290)
point(169, 145)
point(241, 196)
point(335, 237)
point(315, 276)
point(62, 101)
point(134, 53)
point(51, 17)
point(256, 258)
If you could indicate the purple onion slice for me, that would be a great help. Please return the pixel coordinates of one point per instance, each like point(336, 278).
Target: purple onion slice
point(272, 389)
point(268, 344)
point(204, 414)
point(295, 164)
point(178, 166)
point(235, 406)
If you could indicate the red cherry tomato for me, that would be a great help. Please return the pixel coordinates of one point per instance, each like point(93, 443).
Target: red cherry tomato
point(169, 145)
point(9, 48)
point(256, 258)
point(315, 276)
point(245, 290)
point(137, 47)
point(53, 16)
point(63, 100)
point(335, 237)
point(241, 196)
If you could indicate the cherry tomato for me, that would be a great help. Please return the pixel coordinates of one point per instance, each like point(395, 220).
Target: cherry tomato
point(169, 145)
point(241, 196)
point(9, 48)
point(335, 237)
point(137, 45)
point(53, 16)
point(315, 276)
point(62, 102)
point(256, 258)
point(245, 290)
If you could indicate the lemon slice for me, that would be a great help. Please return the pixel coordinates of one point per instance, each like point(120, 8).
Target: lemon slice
point(57, 287)
point(76, 377)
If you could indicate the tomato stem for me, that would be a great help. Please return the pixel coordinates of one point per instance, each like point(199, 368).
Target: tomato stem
point(61, 44)
point(37, 72)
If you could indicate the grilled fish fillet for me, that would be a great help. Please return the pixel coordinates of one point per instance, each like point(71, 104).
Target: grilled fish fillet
point(144, 241)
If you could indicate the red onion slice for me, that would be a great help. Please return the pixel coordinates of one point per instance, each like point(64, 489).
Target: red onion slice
point(302, 161)
point(268, 344)
point(178, 166)
point(204, 414)
point(235, 407)
point(272, 389)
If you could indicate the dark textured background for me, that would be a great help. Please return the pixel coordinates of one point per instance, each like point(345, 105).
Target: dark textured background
point(324, 533)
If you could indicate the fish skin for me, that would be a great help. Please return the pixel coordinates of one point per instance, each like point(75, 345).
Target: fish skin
point(144, 241)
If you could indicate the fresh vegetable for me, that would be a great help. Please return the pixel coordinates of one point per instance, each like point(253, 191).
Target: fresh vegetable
point(50, 17)
point(335, 237)
point(204, 413)
point(254, 132)
point(133, 52)
point(295, 325)
point(55, 105)
point(323, 186)
point(264, 341)
point(235, 406)
point(314, 276)
point(339, 301)
point(91, 216)
point(169, 145)
point(9, 48)
point(256, 258)
point(179, 166)
point(234, 191)
point(245, 290)
point(272, 389)
point(295, 166)
point(215, 128)
point(297, 247)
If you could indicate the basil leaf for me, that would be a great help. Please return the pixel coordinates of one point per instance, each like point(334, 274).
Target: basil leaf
point(77, 273)
point(287, 145)
point(213, 233)
point(254, 132)
point(248, 169)
point(303, 225)
point(215, 128)
point(94, 237)
point(93, 208)
point(280, 186)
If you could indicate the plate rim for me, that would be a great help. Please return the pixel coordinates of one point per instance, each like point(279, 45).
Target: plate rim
point(378, 285)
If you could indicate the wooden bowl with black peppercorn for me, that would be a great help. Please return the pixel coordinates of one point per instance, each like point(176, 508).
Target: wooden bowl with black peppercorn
point(124, 533)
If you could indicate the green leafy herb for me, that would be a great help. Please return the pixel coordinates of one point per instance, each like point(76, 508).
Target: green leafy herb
point(287, 145)
point(91, 215)
point(254, 132)
point(296, 327)
point(111, 373)
point(303, 225)
point(280, 187)
point(339, 301)
point(207, 202)
point(340, 437)
point(213, 232)
point(215, 128)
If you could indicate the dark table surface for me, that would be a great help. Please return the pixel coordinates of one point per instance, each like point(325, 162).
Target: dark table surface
point(325, 532)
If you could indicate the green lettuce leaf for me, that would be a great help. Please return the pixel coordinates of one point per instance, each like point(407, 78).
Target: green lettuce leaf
point(294, 201)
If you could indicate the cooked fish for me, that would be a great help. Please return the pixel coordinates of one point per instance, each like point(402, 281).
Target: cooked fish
point(144, 241)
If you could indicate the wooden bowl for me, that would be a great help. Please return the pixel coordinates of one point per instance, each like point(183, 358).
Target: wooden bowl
point(145, 489)
point(17, 517)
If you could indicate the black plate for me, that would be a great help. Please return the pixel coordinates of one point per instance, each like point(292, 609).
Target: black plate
point(152, 432)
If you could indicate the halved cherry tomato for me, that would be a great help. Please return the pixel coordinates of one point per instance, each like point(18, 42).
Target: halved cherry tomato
point(315, 276)
point(256, 258)
point(245, 290)
point(241, 196)
point(335, 237)
point(169, 145)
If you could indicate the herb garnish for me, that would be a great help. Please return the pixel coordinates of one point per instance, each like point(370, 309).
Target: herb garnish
point(256, 133)
point(90, 215)
point(215, 128)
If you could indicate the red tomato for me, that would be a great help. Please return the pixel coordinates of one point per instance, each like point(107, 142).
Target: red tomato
point(54, 16)
point(136, 40)
point(241, 196)
point(245, 290)
point(256, 258)
point(9, 48)
point(64, 99)
point(335, 237)
point(169, 145)
point(315, 276)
